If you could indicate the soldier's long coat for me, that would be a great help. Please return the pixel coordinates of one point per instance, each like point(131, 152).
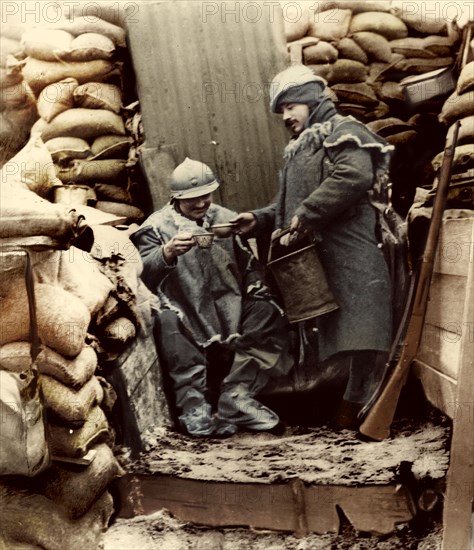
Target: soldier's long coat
point(329, 170)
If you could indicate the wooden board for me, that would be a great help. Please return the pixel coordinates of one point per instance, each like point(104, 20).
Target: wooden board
point(136, 377)
point(447, 324)
point(293, 506)
point(445, 366)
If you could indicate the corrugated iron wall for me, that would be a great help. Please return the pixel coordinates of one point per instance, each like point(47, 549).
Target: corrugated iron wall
point(203, 71)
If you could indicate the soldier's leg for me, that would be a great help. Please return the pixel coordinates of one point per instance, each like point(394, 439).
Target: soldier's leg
point(186, 366)
point(261, 352)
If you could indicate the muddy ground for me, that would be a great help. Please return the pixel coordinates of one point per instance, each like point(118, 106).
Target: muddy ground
point(416, 455)
point(162, 532)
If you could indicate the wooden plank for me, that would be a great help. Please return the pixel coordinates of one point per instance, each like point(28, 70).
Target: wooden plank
point(283, 507)
point(441, 348)
point(136, 377)
point(439, 389)
point(456, 247)
point(459, 498)
point(447, 300)
point(440, 345)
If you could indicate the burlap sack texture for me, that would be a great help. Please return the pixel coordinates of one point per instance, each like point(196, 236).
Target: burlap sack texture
point(372, 43)
point(76, 65)
point(71, 290)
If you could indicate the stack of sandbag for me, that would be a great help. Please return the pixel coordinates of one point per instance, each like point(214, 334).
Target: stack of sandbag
point(17, 101)
point(459, 108)
point(69, 291)
point(364, 49)
point(74, 69)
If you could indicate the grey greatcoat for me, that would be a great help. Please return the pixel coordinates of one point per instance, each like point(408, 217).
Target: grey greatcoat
point(329, 170)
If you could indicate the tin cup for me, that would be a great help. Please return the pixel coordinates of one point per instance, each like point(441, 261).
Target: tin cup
point(203, 240)
point(223, 230)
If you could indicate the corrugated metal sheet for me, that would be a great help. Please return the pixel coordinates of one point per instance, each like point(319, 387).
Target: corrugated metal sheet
point(203, 71)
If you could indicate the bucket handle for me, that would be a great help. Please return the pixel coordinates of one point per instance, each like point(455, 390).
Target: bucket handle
point(273, 240)
point(272, 243)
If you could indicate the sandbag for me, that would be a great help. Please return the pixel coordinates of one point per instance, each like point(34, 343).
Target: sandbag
point(67, 404)
point(75, 442)
point(32, 168)
point(14, 29)
point(84, 123)
point(8, 46)
point(465, 81)
point(118, 333)
point(89, 46)
point(39, 73)
point(322, 52)
point(360, 93)
point(386, 71)
point(74, 373)
point(421, 65)
point(83, 171)
point(10, 76)
point(111, 146)
point(439, 45)
point(62, 318)
point(45, 524)
point(385, 24)
point(108, 192)
point(22, 119)
point(357, 5)
point(79, 274)
point(391, 91)
point(295, 20)
point(46, 44)
point(83, 24)
point(12, 262)
point(374, 45)
point(56, 98)
point(98, 95)
point(23, 447)
point(389, 126)
point(322, 69)
point(423, 18)
point(64, 149)
point(25, 214)
point(131, 213)
point(402, 138)
point(411, 47)
point(463, 158)
point(347, 70)
point(76, 491)
point(349, 49)
point(17, 96)
point(330, 25)
point(466, 131)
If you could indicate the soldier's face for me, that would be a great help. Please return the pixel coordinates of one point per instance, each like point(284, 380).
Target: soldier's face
point(294, 116)
point(195, 209)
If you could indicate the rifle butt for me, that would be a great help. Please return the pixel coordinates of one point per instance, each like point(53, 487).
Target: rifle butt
point(378, 420)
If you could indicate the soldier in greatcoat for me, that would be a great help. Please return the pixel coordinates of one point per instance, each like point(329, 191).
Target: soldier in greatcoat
point(332, 164)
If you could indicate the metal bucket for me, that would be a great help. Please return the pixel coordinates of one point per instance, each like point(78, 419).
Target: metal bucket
point(72, 194)
point(302, 283)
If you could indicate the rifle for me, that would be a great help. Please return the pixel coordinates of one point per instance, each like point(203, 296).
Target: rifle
point(376, 424)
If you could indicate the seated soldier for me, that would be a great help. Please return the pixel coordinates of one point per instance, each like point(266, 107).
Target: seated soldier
point(210, 296)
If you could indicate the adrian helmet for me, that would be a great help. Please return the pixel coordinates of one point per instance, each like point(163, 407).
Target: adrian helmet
point(192, 179)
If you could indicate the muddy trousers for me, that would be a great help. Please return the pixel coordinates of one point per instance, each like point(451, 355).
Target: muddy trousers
point(260, 352)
